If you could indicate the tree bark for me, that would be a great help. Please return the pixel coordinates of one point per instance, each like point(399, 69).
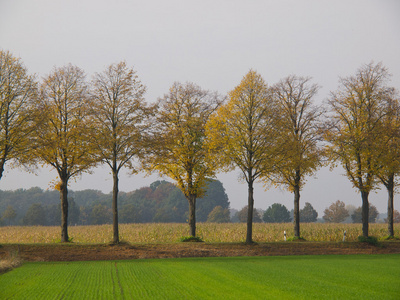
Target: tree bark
point(115, 207)
point(192, 215)
point(390, 189)
point(2, 162)
point(296, 211)
point(365, 213)
point(64, 209)
point(250, 207)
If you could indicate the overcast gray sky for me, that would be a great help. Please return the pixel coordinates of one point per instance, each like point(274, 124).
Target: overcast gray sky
point(213, 44)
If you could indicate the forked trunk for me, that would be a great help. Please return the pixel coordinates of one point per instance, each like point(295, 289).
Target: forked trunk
point(365, 213)
point(250, 207)
point(192, 214)
point(115, 207)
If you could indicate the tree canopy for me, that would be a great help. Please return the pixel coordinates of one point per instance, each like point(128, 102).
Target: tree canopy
point(308, 213)
point(62, 134)
point(336, 213)
point(18, 91)
point(277, 213)
point(180, 148)
point(356, 133)
point(299, 124)
point(243, 131)
point(119, 123)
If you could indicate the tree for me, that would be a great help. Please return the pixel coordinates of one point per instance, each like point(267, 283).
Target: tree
point(336, 213)
point(277, 213)
point(61, 139)
point(215, 195)
point(243, 130)
point(308, 213)
point(119, 123)
point(9, 214)
point(17, 93)
point(390, 158)
point(300, 131)
point(242, 215)
point(356, 135)
point(35, 215)
point(181, 148)
point(357, 215)
point(219, 215)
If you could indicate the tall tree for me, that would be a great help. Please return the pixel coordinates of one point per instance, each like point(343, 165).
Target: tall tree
point(299, 125)
point(119, 116)
point(61, 140)
point(390, 158)
point(181, 148)
point(244, 131)
point(356, 135)
point(17, 94)
point(336, 213)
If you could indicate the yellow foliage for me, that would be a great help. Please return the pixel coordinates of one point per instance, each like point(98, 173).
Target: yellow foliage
point(358, 135)
point(181, 149)
point(243, 129)
point(299, 127)
point(18, 91)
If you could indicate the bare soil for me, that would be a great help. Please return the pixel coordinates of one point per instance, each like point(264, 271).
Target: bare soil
point(81, 252)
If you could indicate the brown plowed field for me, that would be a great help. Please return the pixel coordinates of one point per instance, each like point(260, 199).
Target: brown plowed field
point(82, 252)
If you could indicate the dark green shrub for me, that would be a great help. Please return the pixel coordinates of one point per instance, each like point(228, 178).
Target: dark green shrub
point(296, 239)
point(369, 240)
point(191, 239)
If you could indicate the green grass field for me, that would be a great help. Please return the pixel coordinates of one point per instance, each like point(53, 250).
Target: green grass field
point(284, 277)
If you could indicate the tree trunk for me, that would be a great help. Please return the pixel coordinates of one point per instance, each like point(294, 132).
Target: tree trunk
point(296, 211)
point(2, 162)
point(192, 215)
point(3, 159)
point(64, 209)
point(365, 213)
point(115, 207)
point(390, 189)
point(250, 207)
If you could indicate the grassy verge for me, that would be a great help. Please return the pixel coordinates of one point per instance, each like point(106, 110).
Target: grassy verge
point(294, 277)
point(10, 261)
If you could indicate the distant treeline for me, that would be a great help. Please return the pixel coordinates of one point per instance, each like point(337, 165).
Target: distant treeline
point(160, 202)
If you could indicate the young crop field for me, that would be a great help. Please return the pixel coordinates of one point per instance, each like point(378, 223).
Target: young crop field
point(285, 277)
point(172, 232)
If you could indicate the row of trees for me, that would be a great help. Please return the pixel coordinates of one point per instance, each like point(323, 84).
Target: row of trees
point(336, 213)
point(272, 134)
point(162, 201)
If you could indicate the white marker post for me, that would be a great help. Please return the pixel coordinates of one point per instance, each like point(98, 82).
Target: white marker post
point(344, 236)
point(284, 235)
